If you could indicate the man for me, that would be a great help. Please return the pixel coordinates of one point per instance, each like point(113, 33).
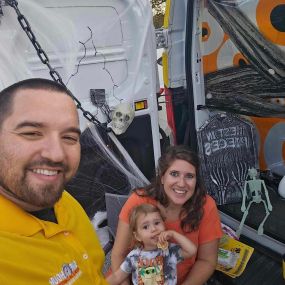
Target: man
point(45, 236)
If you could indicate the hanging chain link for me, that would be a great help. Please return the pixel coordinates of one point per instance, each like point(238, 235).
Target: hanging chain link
point(45, 60)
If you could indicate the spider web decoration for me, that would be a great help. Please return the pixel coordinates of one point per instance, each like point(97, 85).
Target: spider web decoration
point(251, 88)
point(104, 166)
point(104, 68)
point(97, 174)
point(228, 149)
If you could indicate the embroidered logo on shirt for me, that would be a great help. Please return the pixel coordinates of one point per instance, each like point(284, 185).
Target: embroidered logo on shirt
point(67, 276)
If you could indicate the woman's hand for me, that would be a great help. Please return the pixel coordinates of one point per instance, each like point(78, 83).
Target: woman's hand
point(204, 265)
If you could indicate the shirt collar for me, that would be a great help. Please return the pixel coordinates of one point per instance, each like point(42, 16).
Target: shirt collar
point(13, 219)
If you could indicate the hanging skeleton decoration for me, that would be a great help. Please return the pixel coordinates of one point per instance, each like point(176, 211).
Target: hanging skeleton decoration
point(122, 117)
point(256, 189)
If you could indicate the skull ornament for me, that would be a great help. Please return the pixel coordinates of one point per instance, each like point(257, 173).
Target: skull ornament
point(122, 117)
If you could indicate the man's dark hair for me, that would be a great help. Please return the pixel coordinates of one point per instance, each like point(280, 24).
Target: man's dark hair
point(7, 95)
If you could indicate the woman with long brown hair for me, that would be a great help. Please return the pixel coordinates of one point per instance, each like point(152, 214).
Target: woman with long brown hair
point(178, 192)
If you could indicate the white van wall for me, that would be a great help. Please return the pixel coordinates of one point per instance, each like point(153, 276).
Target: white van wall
point(107, 44)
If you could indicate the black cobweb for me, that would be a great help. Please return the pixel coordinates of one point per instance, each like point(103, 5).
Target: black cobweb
point(98, 173)
point(90, 40)
point(96, 176)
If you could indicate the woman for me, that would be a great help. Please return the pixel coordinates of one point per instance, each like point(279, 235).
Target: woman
point(178, 192)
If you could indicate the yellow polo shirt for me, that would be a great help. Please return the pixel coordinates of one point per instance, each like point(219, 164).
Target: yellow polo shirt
point(33, 251)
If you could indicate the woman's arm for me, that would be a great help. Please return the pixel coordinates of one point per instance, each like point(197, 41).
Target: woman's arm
point(117, 278)
point(121, 246)
point(204, 265)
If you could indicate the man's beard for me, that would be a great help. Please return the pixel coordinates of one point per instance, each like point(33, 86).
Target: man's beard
point(41, 195)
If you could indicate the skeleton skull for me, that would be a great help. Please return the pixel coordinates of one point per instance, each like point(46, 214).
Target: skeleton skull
point(122, 117)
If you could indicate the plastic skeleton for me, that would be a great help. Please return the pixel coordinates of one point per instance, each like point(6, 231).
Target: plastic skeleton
point(254, 188)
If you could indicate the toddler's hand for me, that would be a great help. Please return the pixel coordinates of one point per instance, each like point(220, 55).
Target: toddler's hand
point(163, 238)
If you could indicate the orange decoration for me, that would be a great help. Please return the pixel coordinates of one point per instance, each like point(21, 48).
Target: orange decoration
point(263, 17)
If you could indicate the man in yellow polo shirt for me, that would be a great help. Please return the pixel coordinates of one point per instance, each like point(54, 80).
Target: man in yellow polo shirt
point(45, 235)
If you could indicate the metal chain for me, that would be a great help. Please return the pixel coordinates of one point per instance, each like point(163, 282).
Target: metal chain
point(45, 60)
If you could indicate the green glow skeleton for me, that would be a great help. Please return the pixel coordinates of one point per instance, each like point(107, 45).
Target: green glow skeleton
point(253, 188)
